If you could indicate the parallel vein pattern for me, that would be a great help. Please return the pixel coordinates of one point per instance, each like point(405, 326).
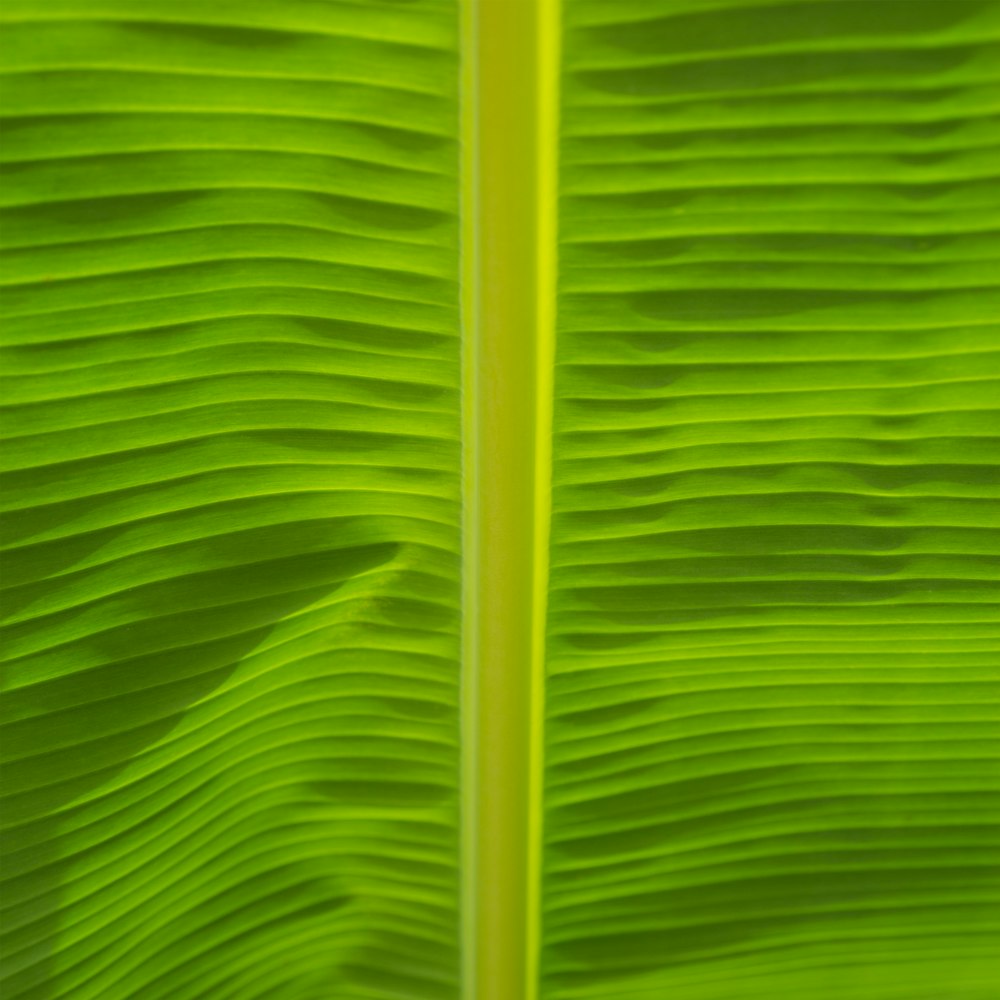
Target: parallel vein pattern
point(772, 712)
point(232, 499)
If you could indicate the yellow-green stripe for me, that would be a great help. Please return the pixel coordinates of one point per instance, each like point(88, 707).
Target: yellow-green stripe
point(509, 140)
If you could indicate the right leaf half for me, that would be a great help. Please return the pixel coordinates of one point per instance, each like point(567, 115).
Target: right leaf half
point(772, 714)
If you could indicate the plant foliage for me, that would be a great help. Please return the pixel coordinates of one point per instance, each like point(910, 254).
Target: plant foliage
point(233, 495)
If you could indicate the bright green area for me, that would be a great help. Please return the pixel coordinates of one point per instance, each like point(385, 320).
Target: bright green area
point(509, 140)
point(276, 500)
point(773, 762)
point(501, 268)
point(233, 550)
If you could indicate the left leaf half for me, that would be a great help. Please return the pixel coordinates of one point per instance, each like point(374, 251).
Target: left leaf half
point(232, 500)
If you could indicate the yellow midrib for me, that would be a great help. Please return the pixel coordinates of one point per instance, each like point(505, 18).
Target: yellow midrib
point(509, 137)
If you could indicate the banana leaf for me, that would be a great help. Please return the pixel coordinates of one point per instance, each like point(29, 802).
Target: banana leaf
point(749, 467)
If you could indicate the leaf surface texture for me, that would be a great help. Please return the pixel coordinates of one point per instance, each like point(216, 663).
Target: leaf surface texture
point(232, 500)
point(772, 755)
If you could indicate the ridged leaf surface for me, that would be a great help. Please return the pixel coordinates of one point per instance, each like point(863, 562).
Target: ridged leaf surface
point(236, 420)
point(772, 750)
point(232, 500)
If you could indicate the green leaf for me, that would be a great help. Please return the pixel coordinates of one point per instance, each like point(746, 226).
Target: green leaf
point(233, 500)
point(501, 500)
point(772, 729)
